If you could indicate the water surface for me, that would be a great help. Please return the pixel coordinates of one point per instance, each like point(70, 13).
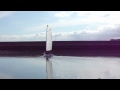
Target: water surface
point(64, 67)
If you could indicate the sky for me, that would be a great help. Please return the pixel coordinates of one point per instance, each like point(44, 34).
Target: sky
point(65, 25)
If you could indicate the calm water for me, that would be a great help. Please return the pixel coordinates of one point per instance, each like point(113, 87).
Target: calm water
point(64, 67)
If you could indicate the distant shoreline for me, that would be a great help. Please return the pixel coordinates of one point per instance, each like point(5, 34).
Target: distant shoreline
point(79, 53)
point(61, 45)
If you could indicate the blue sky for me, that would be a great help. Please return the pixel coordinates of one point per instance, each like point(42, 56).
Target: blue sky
point(65, 25)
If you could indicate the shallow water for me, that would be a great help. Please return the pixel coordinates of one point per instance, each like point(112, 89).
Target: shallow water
point(64, 67)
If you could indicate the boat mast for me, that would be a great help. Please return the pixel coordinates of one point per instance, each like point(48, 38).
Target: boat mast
point(46, 35)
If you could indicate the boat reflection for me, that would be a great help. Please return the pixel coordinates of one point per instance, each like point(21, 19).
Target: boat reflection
point(49, 69)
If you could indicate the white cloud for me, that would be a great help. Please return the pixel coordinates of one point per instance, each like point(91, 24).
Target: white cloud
point(61, 20)
point(105, 32)
point(63, 14)
point(32, 37)
point(5, 13)
point(84, 17)
point(82, 13)
point(85, 13)
point(108, 22)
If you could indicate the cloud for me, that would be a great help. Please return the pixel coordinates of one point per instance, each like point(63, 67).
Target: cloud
point(63, 14)
point(32, 37)
point(108, 23)
point(83, 13)
point(106, 15)
point(83, 18)
point(61, 20)
point(5, 13)
point(103, 32)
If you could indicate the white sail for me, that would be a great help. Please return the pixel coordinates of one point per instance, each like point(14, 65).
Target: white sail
point(49, 69)
point(48, 40)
